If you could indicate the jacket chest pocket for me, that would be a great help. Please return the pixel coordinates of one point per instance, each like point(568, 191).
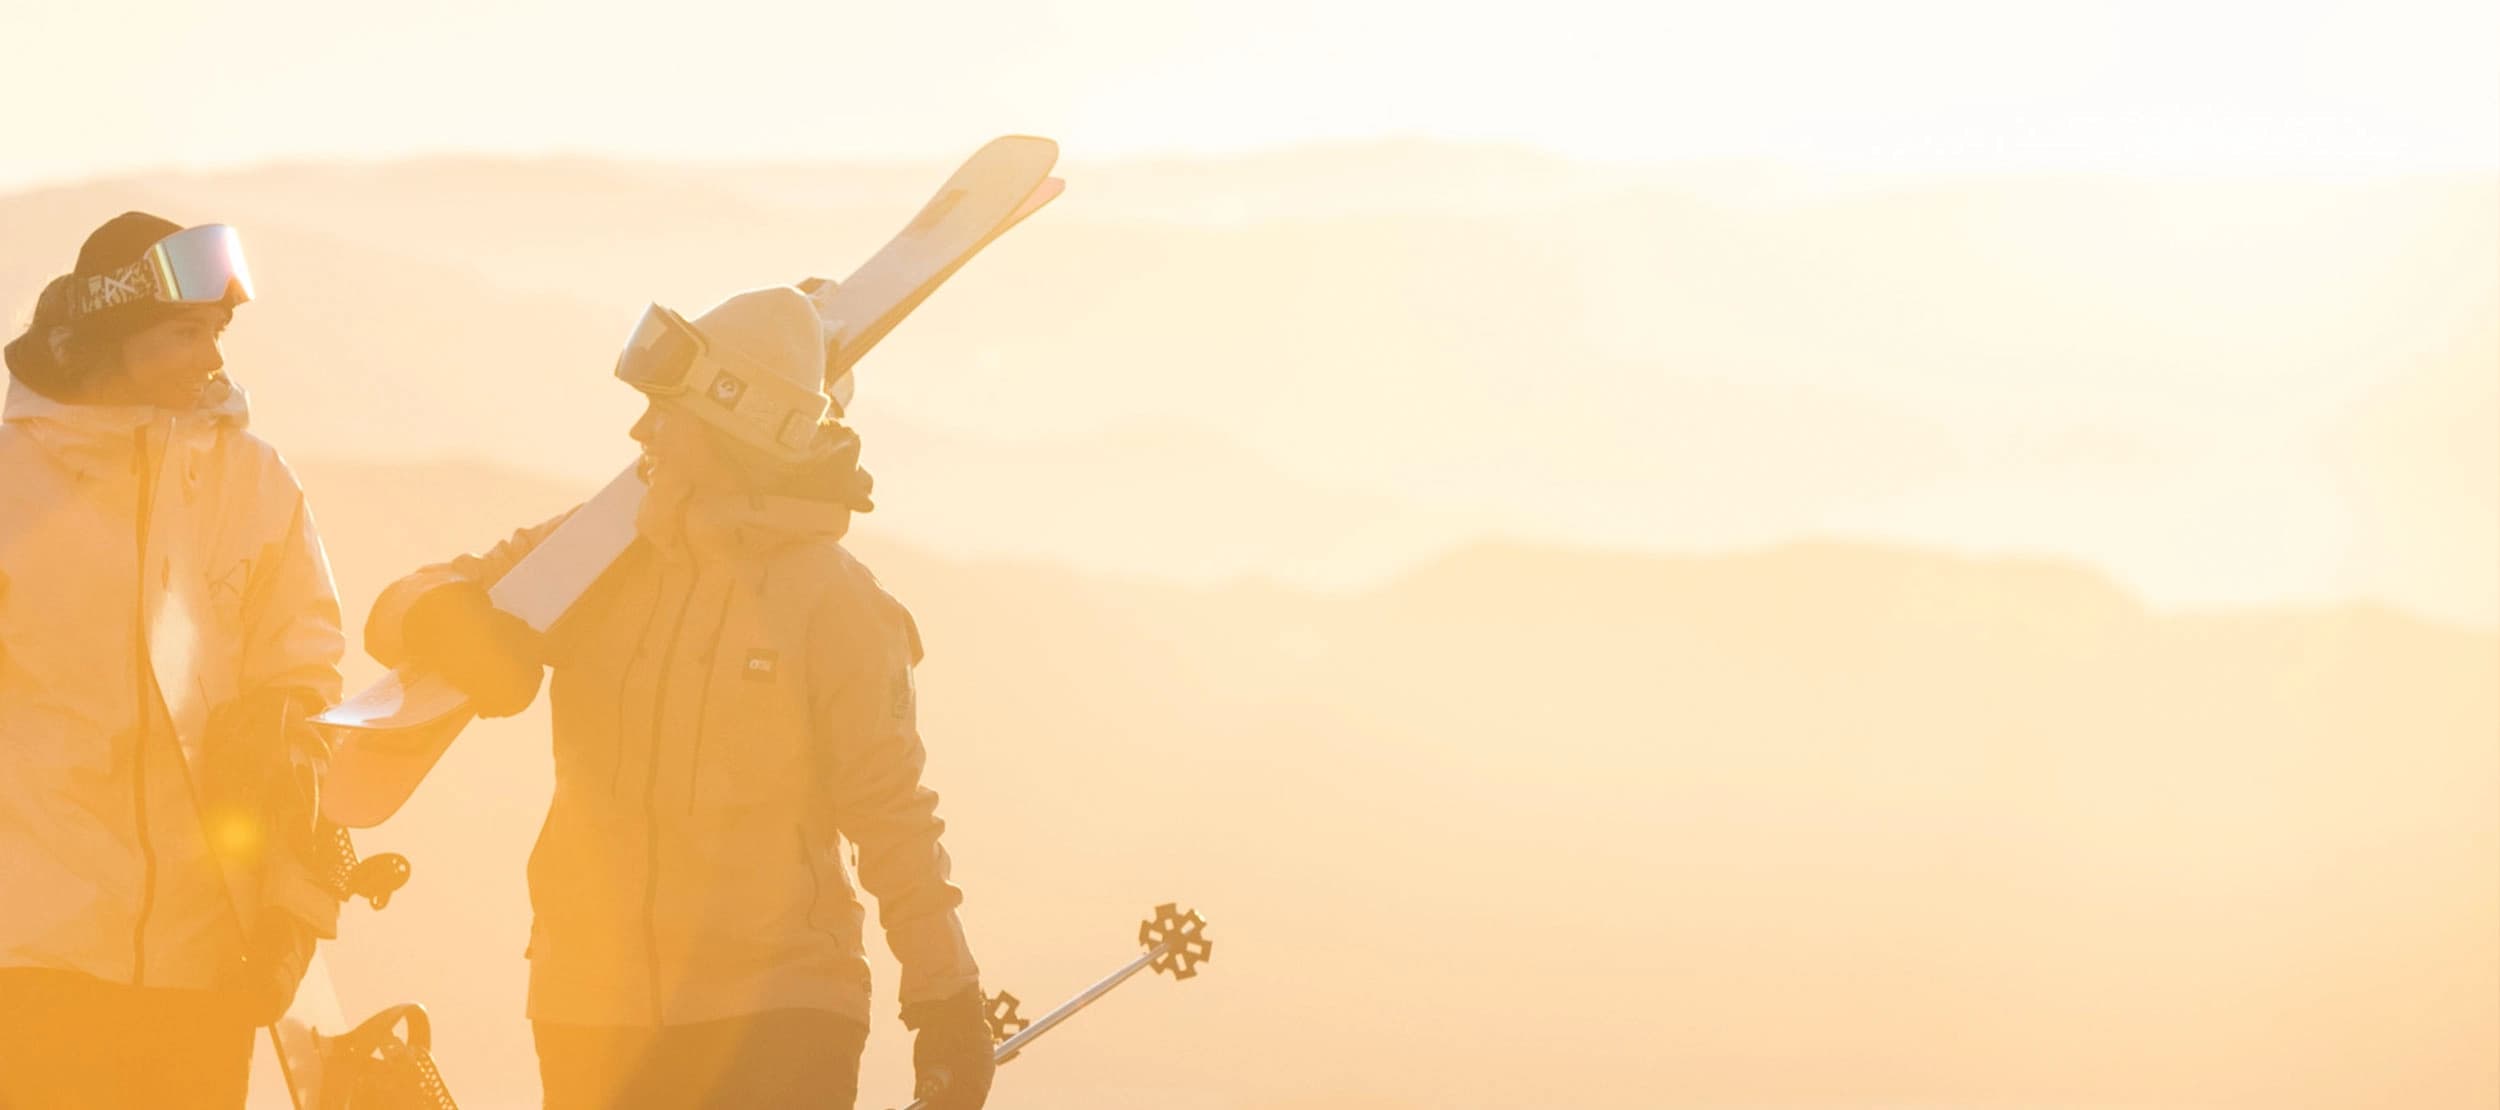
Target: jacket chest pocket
point(226, 584)
point(206, 565)
point(222, 590)
point(602, 658)
point(69, 655)
point(752, 745)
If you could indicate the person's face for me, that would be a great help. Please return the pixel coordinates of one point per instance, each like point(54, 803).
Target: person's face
point(170, 364)
point(678, 449)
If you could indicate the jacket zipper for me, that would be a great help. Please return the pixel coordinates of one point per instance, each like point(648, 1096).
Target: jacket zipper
point(815, 882)
point(143, 689)
point(703, 708)
point(651, 798)
point(624, 680)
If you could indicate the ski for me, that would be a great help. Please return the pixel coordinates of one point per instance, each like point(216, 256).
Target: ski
point(995, 190)
point(389, 735)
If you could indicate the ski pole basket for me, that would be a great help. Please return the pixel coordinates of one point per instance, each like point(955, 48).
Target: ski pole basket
point(1175, 943)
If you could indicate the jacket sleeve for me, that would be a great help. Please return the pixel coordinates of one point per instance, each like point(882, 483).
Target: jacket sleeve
point(292, 637)
point(390, 610)
point(879, 803)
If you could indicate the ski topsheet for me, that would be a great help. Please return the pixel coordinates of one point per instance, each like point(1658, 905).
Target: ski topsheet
point(387, 736)
point(994, 190)
point(537, 590)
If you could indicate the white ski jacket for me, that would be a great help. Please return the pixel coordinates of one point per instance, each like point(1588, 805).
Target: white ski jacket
point(154, 566)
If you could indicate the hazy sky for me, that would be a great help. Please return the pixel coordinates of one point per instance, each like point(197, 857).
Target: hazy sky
point(2139, 86)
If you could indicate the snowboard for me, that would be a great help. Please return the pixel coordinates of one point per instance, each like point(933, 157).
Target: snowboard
point(294, 1060)
point(388, 736)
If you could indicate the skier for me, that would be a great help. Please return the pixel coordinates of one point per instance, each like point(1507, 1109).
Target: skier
point(166, 619)
point(731, 701)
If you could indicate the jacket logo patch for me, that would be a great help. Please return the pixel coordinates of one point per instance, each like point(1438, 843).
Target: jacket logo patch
point(228, 588)
point(227, 591)
point(763, 665)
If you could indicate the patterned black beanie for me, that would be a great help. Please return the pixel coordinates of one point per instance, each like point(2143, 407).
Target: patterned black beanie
point(118, 242)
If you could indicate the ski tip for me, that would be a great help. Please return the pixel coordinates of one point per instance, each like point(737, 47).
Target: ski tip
point(1037, 142)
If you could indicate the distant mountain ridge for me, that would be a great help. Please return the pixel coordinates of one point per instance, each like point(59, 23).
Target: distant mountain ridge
point(2228, 392)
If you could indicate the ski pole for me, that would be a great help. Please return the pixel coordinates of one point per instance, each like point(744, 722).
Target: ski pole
point(1176, 943)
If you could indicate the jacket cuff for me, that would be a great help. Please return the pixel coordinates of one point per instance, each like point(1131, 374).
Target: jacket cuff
point(289, 888)
point(387, 625)
point(937, 960)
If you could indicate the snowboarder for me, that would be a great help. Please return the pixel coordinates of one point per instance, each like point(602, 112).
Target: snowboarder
point(732, 700)
point(166, 620)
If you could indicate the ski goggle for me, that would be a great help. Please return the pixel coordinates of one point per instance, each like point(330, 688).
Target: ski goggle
point(667, 357)
point(198, 265)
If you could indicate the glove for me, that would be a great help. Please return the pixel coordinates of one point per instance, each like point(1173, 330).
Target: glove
point(950, 1057)
point(259, 774)
point(491, 655)
point(273, 964)
point(257, 794)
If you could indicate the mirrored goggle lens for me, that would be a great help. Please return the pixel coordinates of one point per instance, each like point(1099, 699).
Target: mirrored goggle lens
point(660, 353)
point(202, 265)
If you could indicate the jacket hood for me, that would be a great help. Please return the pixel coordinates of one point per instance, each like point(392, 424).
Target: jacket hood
point(223, 401)
point(737, 525)
point(86, 436)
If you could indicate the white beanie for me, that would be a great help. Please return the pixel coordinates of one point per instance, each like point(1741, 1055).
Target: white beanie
point(770, 332)
point(774, 330)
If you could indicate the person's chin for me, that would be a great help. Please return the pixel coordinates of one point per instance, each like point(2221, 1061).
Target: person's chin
point(662, 481)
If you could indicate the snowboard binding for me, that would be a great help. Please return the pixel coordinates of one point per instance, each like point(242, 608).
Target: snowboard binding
point(375, 1067)
point(372, 1066)
point(374, 879)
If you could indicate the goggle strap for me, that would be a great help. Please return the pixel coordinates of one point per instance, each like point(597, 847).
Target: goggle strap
point(134, 282)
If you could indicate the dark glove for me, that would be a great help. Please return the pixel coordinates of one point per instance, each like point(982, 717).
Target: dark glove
point(950, 1057)
point(259, 773)
point(273, 964)
point(491, 655)
point(257, 794)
